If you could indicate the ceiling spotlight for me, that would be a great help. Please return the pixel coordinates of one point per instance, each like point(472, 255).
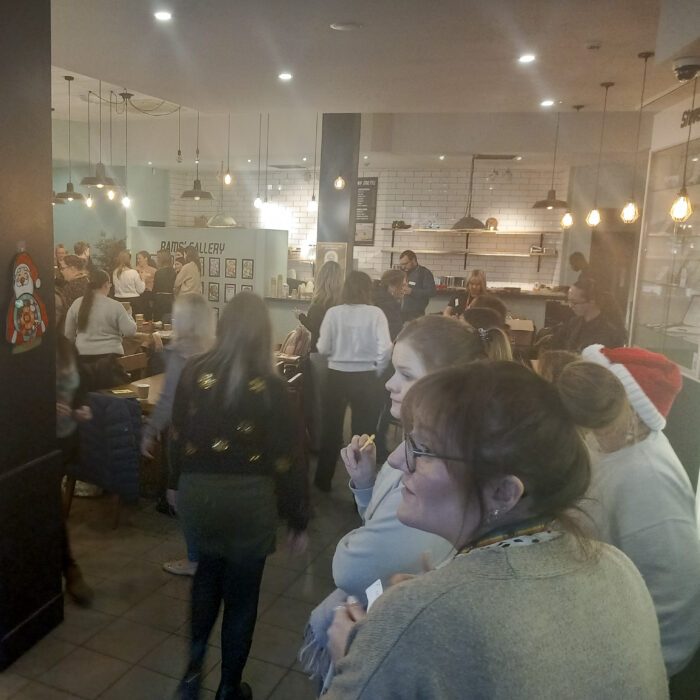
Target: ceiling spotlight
point(345, 26)
point(150, 162)
point(250, 160)
point(304, 159)
point(285, 77)
point(367, 157)
point(441, 157)
point(518, 157)
point(527, 58)
point(695, 160)
point(163, 15)
point(546, 103)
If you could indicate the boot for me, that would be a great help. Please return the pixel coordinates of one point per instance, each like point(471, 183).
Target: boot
point(229, 692)
point(76, 587)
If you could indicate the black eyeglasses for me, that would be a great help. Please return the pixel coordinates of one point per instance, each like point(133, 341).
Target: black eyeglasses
point(412, 451)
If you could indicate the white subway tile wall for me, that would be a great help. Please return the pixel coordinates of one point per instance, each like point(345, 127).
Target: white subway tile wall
point(421, 198)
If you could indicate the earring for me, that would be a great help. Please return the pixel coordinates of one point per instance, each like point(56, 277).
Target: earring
point(493, 515)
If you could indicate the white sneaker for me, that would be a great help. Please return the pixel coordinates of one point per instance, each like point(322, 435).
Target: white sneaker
point(181, 567)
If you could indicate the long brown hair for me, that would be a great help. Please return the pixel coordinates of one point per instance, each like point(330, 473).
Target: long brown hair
point(243, 347)
point(123, 262)
point(191, 255)
point(329, 284)
point(500, 418)
point(98, 279)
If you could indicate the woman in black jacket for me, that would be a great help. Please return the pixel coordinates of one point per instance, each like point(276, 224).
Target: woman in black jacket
point(234, 448)
point(387, 295)
point(329, 285)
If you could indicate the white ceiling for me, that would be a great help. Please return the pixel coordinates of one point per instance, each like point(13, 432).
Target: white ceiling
point(410, 56)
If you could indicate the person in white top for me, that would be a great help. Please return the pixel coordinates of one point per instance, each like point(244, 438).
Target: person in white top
point(128, 285)
point(640, 499)
point(355, 338)
point(97, 324)
point(383, 546)
point(189, 277)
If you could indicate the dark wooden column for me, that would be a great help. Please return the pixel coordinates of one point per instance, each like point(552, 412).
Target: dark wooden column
point(340, 152)
point(31, 601)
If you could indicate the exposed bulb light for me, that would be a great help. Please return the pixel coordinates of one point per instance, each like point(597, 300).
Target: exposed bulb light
point(366, 157)
point(99, 185)
point(111, 194)
point(285, 77)
point(681, 208)
point(593, 218)
point(126, 201)
point(89, 201)
point(567, 221)
point(150, 162)
point(227, 178)
point(630, 212)
point(250, 160)
point(441, 157)
point(257, 202)
point(313, 204)
point(339, 183)
point(527, 58)
point(304, 159)
point(163, 15)
point(546, 103)
point(518, 158)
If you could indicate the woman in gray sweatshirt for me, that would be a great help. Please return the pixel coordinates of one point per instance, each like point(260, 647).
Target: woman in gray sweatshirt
point(528, 608)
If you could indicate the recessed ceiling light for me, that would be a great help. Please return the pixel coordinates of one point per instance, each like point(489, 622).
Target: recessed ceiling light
point(695, 160)
point(304, 159)
point(366, 157)
point(250, 160)
point(518, 157)
point(150, 162)
point(285, 76)
point(527, 58)
point(346, 26)
point(441, 157)
point(546, 103)
point(163, 15)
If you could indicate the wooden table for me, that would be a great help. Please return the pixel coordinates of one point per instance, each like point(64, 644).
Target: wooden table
point(128, 391)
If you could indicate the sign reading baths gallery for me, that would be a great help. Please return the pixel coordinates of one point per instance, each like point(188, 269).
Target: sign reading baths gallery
point(203, 247)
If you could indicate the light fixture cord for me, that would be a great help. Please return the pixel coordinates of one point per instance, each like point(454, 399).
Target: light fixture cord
point(196, 159)
point(556, 145)
point(70, 162)
point(313, 189)
point(111, 162)
point(639, 126)
point(100, 113)
point(259, 147)
point(89, 130)
point(690, 128)
point(126, 144)
point(228, 147)
point(600, 147)
point(468, 212)
point(267, 152)
point(179, 149)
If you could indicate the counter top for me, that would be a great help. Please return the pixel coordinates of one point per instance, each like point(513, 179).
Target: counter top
point(289, 300)
point(547, 295)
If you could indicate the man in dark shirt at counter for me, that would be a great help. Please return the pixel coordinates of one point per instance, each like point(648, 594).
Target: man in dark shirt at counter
point(419, 288)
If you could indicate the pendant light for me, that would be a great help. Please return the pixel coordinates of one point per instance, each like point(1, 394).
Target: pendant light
point(70, 194)
point(257, 202)
point(55, 200)
point(227, 177)
point(126, 200)
point(468, 221)
point(630, 212)
point(339, 183)
point(111, 190)
point(682, 209)
point(221, 219)
point(567, 221)
point(99, 179)
point(267, 155)
point(196, 193)
point(593, 218)
point(551, 201)
point(313, 204)
point(178, 158)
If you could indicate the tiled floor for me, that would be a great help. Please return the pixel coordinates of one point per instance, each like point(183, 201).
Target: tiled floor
point(132, 643)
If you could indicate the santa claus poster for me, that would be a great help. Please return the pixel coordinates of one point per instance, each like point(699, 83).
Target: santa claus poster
point(26, 316)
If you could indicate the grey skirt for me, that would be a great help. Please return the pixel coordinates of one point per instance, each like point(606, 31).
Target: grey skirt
point(229, 515)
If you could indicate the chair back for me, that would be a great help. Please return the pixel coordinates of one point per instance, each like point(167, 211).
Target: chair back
point(135, 365)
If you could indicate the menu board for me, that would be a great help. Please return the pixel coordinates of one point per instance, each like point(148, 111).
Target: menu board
point(366, 213)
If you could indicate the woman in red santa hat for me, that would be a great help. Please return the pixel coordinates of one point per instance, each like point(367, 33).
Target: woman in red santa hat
point(641, 499)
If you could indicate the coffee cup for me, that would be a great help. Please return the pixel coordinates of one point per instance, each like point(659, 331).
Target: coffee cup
point(142, 390)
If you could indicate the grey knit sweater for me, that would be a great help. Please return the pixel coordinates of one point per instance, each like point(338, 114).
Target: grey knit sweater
point(525, 623)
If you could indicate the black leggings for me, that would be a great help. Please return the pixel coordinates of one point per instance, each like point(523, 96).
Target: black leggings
point(237, 583)
point(362, 390)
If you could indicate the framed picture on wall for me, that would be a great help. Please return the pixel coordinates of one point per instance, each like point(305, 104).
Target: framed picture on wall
point(229, 292)
point(201, 266)
point(231, 269)
point(246, 287)
point(247, 268)
point(337, 252)
point(214, 267)
point(213, 294)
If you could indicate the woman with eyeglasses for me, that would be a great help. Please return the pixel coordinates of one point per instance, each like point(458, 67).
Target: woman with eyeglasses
point(528, 607)
point(383, 546)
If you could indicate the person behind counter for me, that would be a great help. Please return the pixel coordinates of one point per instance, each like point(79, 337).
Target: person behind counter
point(234, 446)
point(97, 324)
point(387, 295)
point(163, 285)
point(189, 279)
point(328, 290)
point(529, 608)
point(596, 319)
point(419, 288)
point(578, 263)
point(464, 298)
point(128, 285)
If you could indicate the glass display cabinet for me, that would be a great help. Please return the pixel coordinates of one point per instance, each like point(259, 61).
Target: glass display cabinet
point(666, 312)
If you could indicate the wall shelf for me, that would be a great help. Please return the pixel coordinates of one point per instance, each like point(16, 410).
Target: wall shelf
point(425, 252)
point(489, 254)
point(481, 231)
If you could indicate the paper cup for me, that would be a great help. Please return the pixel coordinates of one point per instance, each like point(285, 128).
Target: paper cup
point(142, 390)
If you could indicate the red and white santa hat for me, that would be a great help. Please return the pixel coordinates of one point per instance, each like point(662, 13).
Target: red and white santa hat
point(651, 380)
point(24, 258)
